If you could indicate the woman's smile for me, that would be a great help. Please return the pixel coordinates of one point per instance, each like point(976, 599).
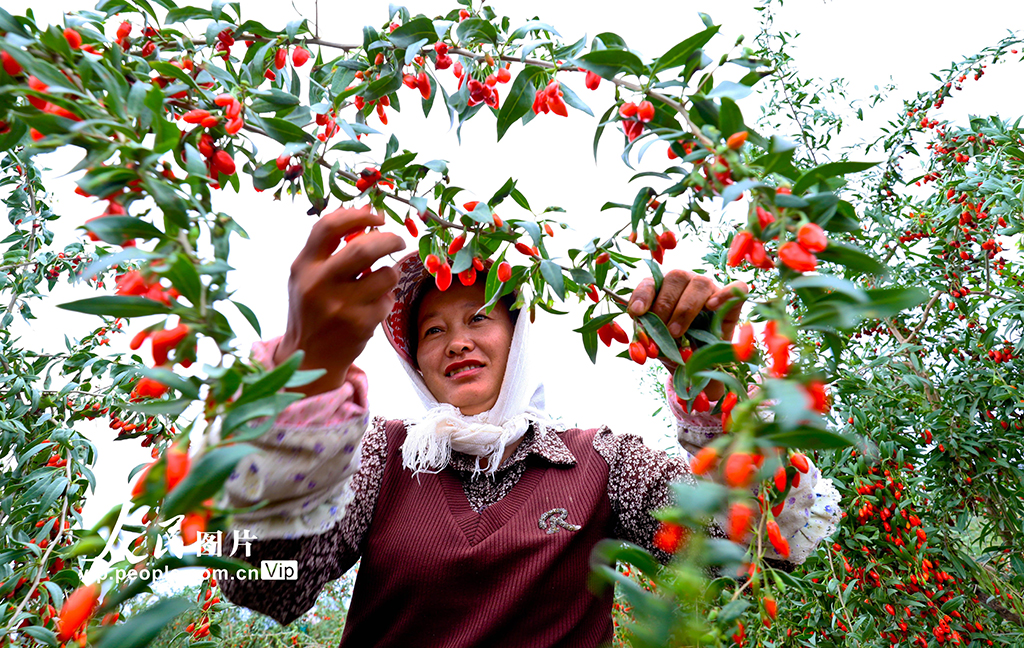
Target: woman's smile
point(461, 350)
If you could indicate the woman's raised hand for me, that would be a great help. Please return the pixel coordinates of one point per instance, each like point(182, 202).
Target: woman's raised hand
point(333, 306)
point(682, 297)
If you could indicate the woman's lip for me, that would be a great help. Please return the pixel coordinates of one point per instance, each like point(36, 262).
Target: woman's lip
point(467, 373)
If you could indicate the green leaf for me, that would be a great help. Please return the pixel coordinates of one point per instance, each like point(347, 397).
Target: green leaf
point(41, 635)
point(181, 14)
point(161, 408)
point(397, 162)
point(730, 89)
point(553, 275)
point(708, 356)
point(682, 52)
point(779, 158)
point(116, 306)
point(268, 407)
point(600, 128)
point(293, 27)
point(415, 30)
point(519, 100)
point(791, 404)
point(730, 119)
point(385, 86)
point(279, 129)
point(476, 30)
point(852, 257)
point(118, 229)
point(276, 97)
point(249, 316)
point(205, 478)
point(582, 276)
point(655, 328)
point(609, 62)
point(787, 201)
point(414, 50)
point(104, 181)
point(271, 381)
point(572, 99)
point(141, 629)
point(830, 282)
point(171, 379)
point(830, 170)
point(184, 276)
point(609, 552)
point(810, 438)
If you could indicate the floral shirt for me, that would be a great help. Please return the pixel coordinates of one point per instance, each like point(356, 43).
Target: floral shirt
point(322, 465)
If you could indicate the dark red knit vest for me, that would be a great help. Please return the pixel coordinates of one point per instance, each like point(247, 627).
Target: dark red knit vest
point(435, 573)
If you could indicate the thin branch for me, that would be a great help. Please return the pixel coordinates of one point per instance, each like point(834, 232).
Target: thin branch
point(17, 265)
point(924, 317)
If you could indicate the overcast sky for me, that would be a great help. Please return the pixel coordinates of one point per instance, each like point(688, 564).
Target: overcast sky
point(868, 42)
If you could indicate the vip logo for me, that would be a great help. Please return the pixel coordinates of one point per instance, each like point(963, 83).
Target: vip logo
point(279, 569)
point(555, 520)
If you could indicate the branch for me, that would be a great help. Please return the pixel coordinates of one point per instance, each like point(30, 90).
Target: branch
point(924, 317)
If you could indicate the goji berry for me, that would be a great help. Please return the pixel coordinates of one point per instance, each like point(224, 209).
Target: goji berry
point(736, 140)
point(812, 238)
point(704, 461)
point(795, 256)
point(77, 610)
point(73, 38)
point(504, 272)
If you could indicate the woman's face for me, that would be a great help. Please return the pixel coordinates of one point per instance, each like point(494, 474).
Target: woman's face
point(462, 353)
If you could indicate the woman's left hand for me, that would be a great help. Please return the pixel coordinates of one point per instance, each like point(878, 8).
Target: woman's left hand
point(682, 297)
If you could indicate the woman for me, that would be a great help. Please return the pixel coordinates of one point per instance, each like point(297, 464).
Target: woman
point(474, 522)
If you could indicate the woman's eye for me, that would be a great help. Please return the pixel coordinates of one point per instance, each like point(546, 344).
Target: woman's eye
point(479, 316)
point(430, 330)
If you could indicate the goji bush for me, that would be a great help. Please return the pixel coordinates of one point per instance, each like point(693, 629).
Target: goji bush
point(912, 407)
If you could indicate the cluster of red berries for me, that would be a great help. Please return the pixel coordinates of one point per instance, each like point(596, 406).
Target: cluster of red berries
point(634, 116)
point(549, 99)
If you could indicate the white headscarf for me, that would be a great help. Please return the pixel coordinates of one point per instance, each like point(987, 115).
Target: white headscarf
point(431, 439)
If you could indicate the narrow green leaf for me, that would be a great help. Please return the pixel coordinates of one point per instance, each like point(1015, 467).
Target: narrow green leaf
point(207, 475)
point(829, 170)
point(609, 62)
point(553, 276)
point(682, 52)
point(115, 306)
point(249, 316)
point(655, 328)
point(519, 100)
point(413, 31)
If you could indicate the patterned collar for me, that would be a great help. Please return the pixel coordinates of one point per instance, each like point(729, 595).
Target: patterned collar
point(545, 444)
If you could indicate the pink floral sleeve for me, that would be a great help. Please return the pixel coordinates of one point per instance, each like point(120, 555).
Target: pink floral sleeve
point(333, 407)
point(301, 476)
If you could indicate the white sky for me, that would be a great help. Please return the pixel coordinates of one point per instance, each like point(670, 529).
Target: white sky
point(867, 42)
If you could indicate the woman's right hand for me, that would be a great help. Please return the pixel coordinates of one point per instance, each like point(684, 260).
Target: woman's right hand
point(331, 313)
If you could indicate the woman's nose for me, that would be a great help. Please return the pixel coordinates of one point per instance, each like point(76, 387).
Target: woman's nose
point(459, 343)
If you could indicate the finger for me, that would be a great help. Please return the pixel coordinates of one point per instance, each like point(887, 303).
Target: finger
point(732, 316)
point(377, 284)
point(642, 297)
point(672, 288)
point(694, 298)
point(359, 254)
point(731, 291)
point(326, 233)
